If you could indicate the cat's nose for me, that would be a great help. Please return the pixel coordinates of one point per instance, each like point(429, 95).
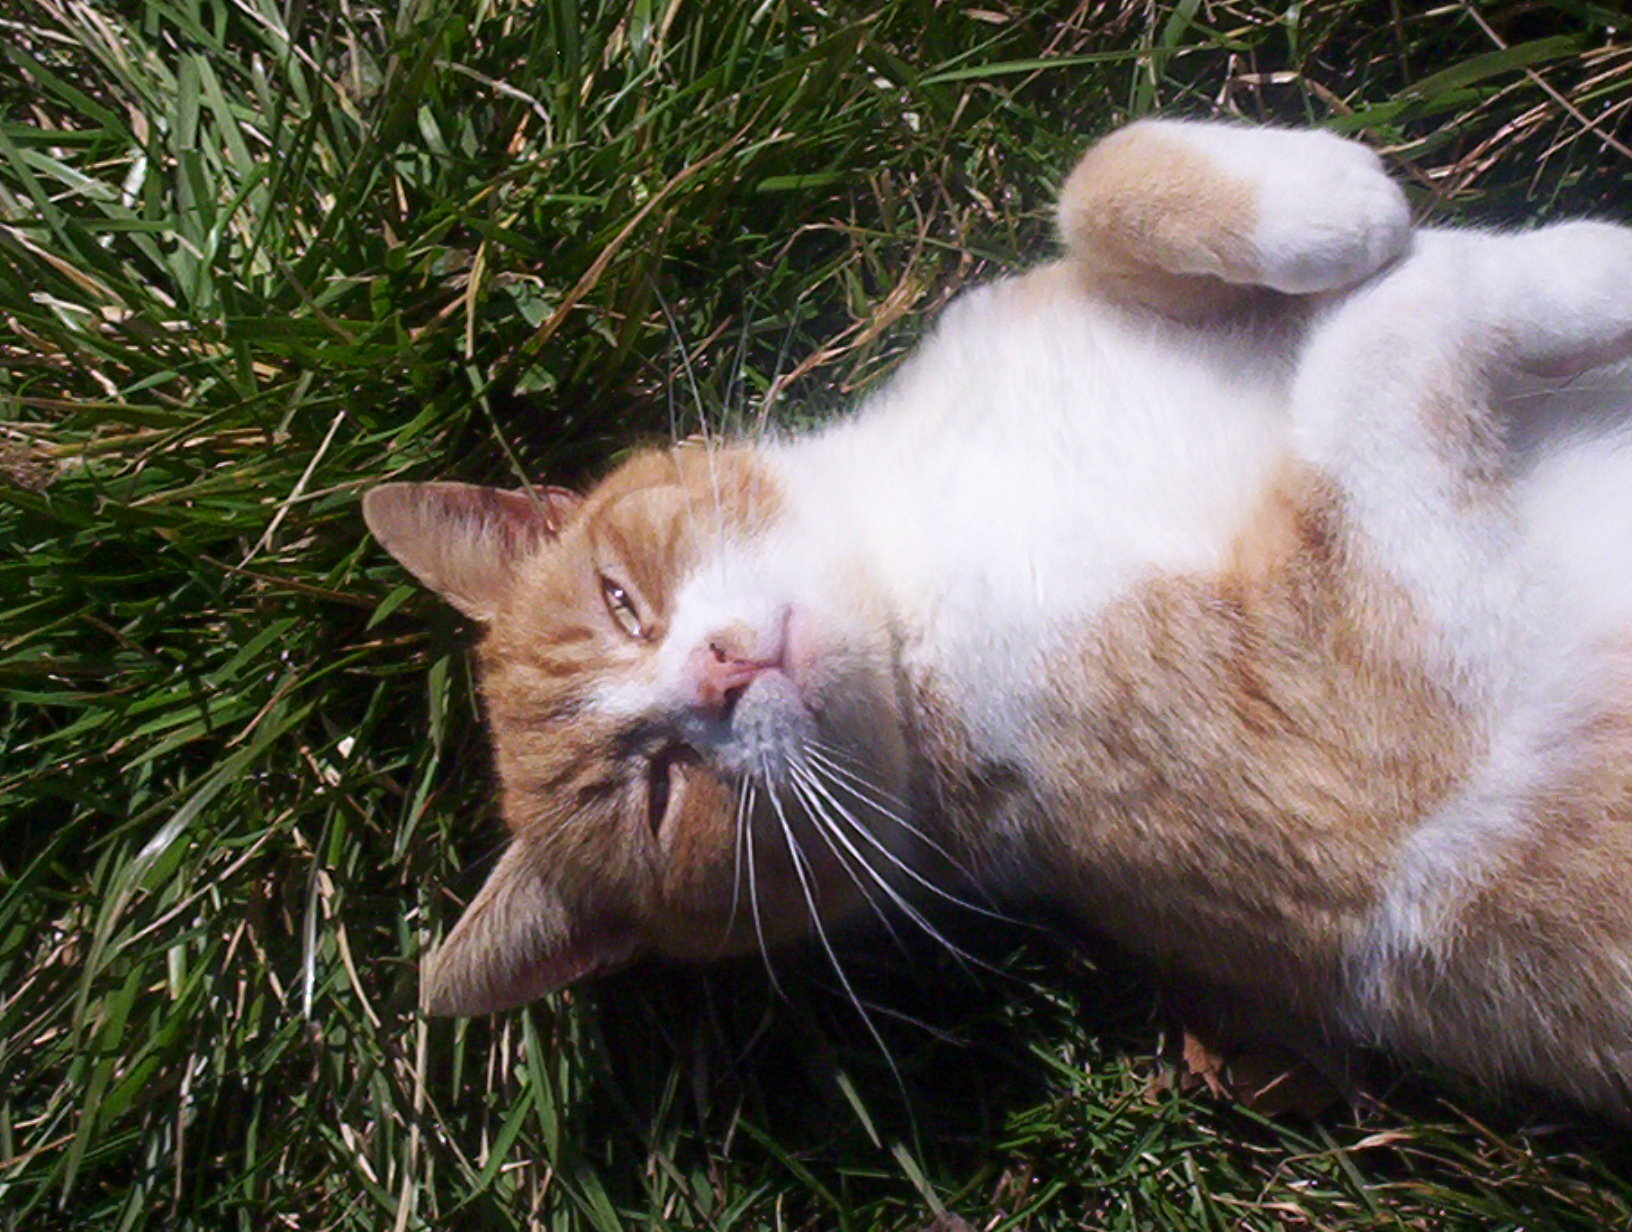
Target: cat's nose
point(728, 662)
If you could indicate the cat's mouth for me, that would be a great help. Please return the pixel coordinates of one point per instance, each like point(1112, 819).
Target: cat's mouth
point(765, 728)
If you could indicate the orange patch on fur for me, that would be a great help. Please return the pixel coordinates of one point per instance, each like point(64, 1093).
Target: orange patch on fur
point(1229, 762)
point(1541, 944)
point(644, 527)
point(605, 861)
point(1148, 220)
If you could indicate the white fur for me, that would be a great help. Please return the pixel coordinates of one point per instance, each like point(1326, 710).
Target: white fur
point(1028, 466)
point(1524, 582)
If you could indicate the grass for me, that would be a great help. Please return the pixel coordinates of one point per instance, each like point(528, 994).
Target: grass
point(257, 256)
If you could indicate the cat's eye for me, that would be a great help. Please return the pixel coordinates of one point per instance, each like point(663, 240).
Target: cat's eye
point(622, 608)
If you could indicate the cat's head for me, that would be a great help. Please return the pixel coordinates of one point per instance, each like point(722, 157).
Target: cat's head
point(694, 727)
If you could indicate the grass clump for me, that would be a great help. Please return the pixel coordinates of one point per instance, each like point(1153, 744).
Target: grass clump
point(257, 256)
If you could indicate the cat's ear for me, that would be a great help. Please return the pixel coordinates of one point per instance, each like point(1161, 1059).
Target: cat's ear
point(517, 941)
point(464, 541)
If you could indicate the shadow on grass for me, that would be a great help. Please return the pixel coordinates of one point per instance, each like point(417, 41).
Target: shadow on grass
point(1043, 1092)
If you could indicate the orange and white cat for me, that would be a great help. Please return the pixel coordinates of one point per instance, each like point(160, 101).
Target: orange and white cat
point(1256, 581)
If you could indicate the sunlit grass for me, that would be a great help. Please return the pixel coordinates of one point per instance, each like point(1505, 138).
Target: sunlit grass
point(255, 257)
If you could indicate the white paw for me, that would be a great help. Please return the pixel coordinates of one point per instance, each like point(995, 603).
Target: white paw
point(1330, 222)
point(1328, 216)
point(1561, 295)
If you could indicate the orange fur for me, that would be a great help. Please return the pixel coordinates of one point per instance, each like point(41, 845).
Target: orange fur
point(1547, 929)
point(1141, 214)
point(1233, 759)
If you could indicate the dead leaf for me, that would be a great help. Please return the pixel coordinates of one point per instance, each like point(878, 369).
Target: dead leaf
point(948, 1222)
point(1203, 1061)
point(1266, 1077)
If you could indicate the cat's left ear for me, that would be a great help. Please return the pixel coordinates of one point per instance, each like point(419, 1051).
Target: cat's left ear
point(464, 541)
point(518, 940)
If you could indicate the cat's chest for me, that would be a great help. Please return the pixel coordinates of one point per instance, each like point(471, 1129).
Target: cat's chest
point(1025, 471)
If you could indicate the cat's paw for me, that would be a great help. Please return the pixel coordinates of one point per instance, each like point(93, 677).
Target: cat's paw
point(1560, 297)
point(1328, 215)
point(1298, 211)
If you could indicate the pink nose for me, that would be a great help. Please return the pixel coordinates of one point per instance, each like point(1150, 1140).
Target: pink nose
point(720, 671)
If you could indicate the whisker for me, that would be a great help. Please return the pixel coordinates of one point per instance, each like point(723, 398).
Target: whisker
point(867, 793)
point(1570, 385)
point(711, 443)
point(827, 829)
point(753, 903)
point(828, 824)
point(843, 759)
point(739, 825)
point(883, 848)
point(911, 912)
point(685, 365)
point(773, 390)
point(736, 388)
point(939, 1034)
point(853, 778)
point(801, 871)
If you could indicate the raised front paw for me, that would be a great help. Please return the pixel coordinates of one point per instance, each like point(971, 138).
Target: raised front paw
point(1560, 296)
point(1299, 211)
point(1328, 215)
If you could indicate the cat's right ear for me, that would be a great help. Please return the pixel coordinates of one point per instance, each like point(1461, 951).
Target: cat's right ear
point(464, 541)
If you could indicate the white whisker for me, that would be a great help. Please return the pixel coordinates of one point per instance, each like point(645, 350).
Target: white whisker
point(710, 445)
point(797, 855)
point(803, 786)
point(745, 795)
point(848, 763)
point(685, 366)
point(901, 903)
point(829, 825)
point(753, 901)
point(736, 388)
point(848, 780)
point(883, 848)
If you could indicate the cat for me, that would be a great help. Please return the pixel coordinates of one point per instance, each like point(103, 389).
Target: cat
point(1255, 580)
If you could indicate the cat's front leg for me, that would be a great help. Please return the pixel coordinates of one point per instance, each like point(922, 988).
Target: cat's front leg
point(1187, 216)
point(1395, 401)
point(1398, 410)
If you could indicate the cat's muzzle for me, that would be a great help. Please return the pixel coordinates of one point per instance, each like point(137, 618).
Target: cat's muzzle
point(768, 728)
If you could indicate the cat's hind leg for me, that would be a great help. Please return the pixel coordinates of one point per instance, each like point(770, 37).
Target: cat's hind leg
point(1187, 217)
